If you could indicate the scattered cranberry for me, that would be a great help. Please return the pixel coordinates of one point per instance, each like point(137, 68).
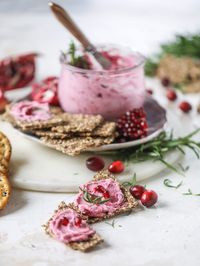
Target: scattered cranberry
point(137, 191)
point(95, 163)
point(78, 221)
point(165, 82)
point(64, 221)
point(149, 198)
point(116, 167)
point(149, 91)
point(171, 95)
point(185, 106)
point(132, 125)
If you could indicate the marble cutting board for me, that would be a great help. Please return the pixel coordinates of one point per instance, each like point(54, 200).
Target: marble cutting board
point(39, 168)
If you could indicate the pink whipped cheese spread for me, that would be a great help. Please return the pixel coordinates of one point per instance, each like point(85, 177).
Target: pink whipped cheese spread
point(107, 189)
point(30, 111)
point(67, 226)
point(109, 92)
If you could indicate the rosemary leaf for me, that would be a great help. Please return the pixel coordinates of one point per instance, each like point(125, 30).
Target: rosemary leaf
point(189, 193)
point(168, 183)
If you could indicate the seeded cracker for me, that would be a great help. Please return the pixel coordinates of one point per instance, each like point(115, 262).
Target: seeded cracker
point(50, 134)
point(76, 145)
point(4, 190)
point(105, 129)
point(26, 126)
point(79, 123)
point(5, 153)
point(84, 246)
point(130, 202)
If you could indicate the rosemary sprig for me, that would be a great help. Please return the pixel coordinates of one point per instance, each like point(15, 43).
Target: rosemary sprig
point(189, 193)
point(113, 223)
point(74, 60)
point(157, 149)
point(183, 45)
point(184, 168)
point(91, 198)
point(130, 183)
point(168, 183)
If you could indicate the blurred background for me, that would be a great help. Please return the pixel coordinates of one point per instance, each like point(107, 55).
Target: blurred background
point(28, 25)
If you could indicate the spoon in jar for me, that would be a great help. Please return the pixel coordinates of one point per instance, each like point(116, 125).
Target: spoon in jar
point(68, 23)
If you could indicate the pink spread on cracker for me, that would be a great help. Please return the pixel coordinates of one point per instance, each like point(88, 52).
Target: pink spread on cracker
point(108, 190)
point(31, 111)
point(67, 226)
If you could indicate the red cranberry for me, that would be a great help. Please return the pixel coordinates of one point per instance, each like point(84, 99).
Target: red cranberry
point(185, 106)
point(95, 163)
point(64, 221)
point(116, 167)
point(137, 191)
point(171, 95)
point(78, 221)
point(149, 198)
point(149, 91)
point(165, 82)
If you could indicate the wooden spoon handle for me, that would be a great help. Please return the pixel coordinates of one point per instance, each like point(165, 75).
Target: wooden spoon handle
point(68, 23)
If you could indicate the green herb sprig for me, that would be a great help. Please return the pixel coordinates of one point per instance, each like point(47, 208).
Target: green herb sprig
point(168, 183)
point(190, 193)
point(157, 149)
point(183, 45)
point(74, 60)
point(91, 198)
point(130, 183)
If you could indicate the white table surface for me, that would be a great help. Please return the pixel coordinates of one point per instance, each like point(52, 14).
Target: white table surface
point(165, 235)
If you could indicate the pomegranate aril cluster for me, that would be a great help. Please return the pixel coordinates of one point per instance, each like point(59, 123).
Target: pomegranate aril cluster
point(132, 125)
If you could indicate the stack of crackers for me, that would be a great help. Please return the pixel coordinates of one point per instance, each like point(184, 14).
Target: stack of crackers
point(5, 154)
point(130, 203)
point(69, 133)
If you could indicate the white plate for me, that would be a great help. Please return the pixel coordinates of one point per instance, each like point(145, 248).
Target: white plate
point(156, 120)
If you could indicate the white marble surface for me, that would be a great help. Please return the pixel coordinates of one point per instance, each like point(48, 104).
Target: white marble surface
point(165, 235)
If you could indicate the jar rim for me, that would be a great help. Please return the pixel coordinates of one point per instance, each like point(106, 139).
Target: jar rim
point(140, 62)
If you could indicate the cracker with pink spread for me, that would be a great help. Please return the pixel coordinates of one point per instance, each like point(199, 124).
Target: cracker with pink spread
point(104, 198)
point(70, 227)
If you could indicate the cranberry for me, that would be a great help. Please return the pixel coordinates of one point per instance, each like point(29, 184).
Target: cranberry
point(149, 91)
point(116, 167)
point(149, 198)
point(171, 95)
point(165, 82)
point(95, 163)
point(185, 106)
point(78, 221)
point(137, 191)
point(64, 221)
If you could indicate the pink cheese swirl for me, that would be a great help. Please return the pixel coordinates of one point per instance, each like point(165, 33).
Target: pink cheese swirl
point(112, 188)
point(31, 111)
point(70, 231)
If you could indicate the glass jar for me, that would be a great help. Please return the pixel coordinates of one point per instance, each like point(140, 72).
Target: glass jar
point(106, 92)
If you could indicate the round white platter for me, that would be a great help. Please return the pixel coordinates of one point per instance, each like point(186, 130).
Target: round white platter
point(36, 167)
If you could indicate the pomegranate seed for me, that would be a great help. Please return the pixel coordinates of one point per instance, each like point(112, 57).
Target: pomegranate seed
point(64, 221)
point(78, 221)
point(132, 125)
point(149, 198)
point(171, 95)
point(116, 167)
point(165, 82)
point(95, 163)
point(185, 106)
point(137, 191)
point(102, 190)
